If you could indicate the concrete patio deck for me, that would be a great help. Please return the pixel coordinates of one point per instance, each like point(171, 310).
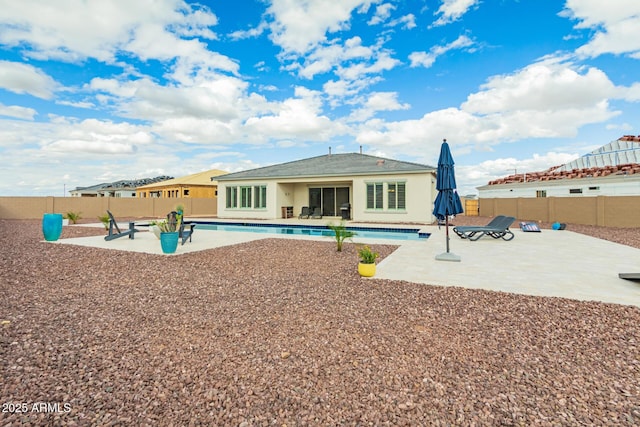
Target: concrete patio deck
point(550, 263)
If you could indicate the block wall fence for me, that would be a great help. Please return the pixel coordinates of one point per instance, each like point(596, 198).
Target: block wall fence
point(92, 207)
point(605, 211)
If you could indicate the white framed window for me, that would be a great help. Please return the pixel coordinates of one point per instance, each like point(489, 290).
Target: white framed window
point(396, 196)
point(232, 197)
point(374, 195)
point(387, 196)
point(245, 197)
point(259, 196)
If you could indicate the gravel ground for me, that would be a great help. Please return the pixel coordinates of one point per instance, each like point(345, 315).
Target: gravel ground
point(282, 332)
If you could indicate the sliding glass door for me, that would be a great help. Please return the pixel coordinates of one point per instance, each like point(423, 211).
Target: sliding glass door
point(329, 199)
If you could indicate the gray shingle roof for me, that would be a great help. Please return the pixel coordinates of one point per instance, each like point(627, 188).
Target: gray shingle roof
point(330, 165)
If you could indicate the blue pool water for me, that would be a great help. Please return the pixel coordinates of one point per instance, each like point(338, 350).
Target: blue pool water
point(315, 230)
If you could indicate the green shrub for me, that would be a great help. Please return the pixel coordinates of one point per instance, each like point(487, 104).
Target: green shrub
point(73, 217)
point(104, 219)
point(367, 256)
point(341, 234)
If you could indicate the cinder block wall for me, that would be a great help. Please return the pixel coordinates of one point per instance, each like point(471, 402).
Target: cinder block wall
point(606, 211)
point(92, 207)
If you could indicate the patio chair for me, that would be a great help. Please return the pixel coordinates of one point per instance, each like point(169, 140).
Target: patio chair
point(461, 229)
point(317, 213)
point(115, 232)
point(305, 212)
point(499, 229)
point(185, 231)
point(629, 276)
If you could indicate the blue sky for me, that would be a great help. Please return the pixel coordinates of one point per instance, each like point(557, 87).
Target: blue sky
point(96, 91)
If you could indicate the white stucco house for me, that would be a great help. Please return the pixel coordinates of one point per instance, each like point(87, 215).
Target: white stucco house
point(611, 170)
point(376, 189)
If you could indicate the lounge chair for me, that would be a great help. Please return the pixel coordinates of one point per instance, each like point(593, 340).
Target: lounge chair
point(629, 276)
point(184, 233)
point(115, 232)
point(498, 228)
point(461, 229)
point(305, 212)
point(317, 213)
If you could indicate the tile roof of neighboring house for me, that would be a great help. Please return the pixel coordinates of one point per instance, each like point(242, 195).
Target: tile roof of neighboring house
point(200, 178)
point(620, 157)
point(133, 183)
point(331, 165)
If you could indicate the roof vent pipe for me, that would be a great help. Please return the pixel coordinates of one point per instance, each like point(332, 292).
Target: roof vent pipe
point(329, 151)
point(361, 149)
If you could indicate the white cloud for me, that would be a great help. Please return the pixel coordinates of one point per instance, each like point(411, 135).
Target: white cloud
point(301, 30)
point(22, 78)
point(17, 112)
point(383, 12)
point(325, 58)
point(615, 25)
point(94, 147)
point(408, 22)
point(625, 127)
point(73, 30)
point(421, 137)
point(250, 33)
point(299, 26)
point(631, 93)
point(97, 136)
point(452, 10)
point(546, 86)
point(424, 59)
point(471, 177)
point(382, 62)
point(298, 118)
point(546, 99)
point(218, 97)
point(378, 101)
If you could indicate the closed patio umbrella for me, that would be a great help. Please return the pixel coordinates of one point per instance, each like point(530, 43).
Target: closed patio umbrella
point(447, 201)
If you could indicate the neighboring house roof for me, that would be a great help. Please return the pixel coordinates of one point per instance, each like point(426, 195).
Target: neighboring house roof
point(331, 165)
point(122, 184)
point(625, 150)
point(200, 178)
point(620, 157)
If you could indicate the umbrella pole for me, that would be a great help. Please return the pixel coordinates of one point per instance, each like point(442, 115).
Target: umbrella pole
point(447, 256)
point(446, 224)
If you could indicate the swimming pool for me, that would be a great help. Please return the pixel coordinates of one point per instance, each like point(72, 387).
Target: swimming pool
point(315, 230)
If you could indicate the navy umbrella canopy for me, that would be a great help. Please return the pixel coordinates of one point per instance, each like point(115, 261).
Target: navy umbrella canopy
point(447, 202)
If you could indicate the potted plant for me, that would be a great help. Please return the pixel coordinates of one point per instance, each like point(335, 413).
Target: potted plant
point(341, 234)
point(169, 234)
point(367, 264)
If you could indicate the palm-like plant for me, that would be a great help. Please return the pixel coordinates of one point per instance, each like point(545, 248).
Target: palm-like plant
point(341, 234)
point(104, 219)
point(73, 217)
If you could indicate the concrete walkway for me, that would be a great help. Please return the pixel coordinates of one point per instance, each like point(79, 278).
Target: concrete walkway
point(550, 263)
